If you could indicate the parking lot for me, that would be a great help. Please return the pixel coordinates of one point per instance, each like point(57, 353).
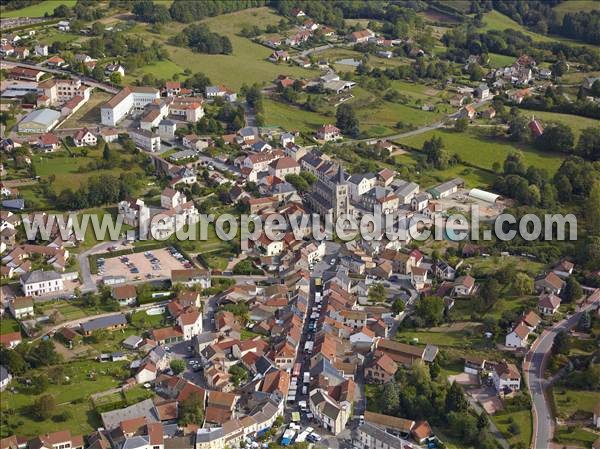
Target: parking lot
point(157, 263)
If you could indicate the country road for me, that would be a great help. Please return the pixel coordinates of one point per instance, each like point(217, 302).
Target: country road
point(90, 81)
point(534, 366)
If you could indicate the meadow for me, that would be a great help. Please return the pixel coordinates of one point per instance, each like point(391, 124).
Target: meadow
point(523, 421)
point(39, 9)
point(248, 57)
point(575, 122)
point(482, 151)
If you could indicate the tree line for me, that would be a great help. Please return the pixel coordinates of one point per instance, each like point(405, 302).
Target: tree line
point(200, 39)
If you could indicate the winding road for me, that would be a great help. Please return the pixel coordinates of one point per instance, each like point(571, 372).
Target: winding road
point(534, 366)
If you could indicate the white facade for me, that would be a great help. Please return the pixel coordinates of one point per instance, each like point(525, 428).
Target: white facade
point(33, 287)
point(146, 140)
point(128, 99)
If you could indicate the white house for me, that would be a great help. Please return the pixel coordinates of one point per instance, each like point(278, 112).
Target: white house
point(360, 184)
point(21, 307)
point(506, 377)
point(41, 50)
point(84, 138)
point(40, 282)
point(548, 303)
point(517, 338)
point(5, 378)
point(190, 323)
point(146, 373)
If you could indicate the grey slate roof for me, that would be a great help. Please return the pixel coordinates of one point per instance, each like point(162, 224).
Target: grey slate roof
point(40, 276)
point(380, 435)
point(3, 373)
point(104, 322)
point(145, 408)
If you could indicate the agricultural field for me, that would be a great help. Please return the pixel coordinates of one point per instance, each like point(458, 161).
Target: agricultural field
point(482, 151)
point(39, 9)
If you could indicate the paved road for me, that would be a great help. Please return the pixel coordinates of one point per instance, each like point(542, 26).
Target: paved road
point(534, 366)
point(90, 81)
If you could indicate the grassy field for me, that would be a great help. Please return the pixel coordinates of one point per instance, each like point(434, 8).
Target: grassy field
point(575, 122)
point(86, 378)
point(225, 69)
point(8, 325)
point(574, 6)
point(67, 169)
point(89, 113)
point(68, 310)
point(381, 117)
point(482, 151)
point(577, 77)
point(574, 435)
point(291, 117)
point(474, 177)
point(457, 335)
point(497, 60)
point(39, 9)
point(495, 20)
point(568, 402)
point(522, 419)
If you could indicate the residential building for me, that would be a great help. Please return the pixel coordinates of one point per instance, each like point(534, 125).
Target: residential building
point(548, 303)
point(85, 138)
point(145, 140)
point(40, 282)
point(517, 338)
point(126, 295)
point(109, 323)
point(61, 439)
point(328, 132)
point(21, 307)
point(368, 436)
point(5, 378)
point(506, 378)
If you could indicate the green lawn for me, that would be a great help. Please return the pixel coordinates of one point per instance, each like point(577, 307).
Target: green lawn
point(291, 117)
point(569, 402)
point(470, 337)
point(497, 60)
point(39, 9)
point(482, 151)
point(142, 320)
point(67, 169)
point(8, 325)
point(523, 421)
point(68, 310)
point(86, 378)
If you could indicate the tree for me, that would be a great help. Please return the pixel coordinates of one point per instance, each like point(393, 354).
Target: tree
point(523, 284)
point(44, 406)
point(592, 209)
point(13, 361)
point(455, 399)
point(573, 290)
point(116, 78)
point(461, 124)
point(559, 68)
point(588, 146)
point(106, 152)
point(44, 354)
point(398, 306)
point(390, 397)
point(377, 293)
point(191, 410)
point(436, 155)
point(517, 128)
point(560, 345)
point(490, 291)
point(482, 421)
point(595, 90)
point(431, 310)
point(346, 120)
point(178, 366)
point(556, 137)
